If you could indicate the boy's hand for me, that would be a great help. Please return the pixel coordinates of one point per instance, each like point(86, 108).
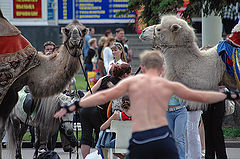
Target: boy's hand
point(232, 95)
point(60, 113)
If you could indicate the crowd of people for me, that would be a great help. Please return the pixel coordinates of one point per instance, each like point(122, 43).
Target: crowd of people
point(162, 125)
point(151, 135)
point(185, 125)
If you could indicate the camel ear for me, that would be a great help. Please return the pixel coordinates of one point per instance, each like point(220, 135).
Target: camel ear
point(85, 31)
point(64, 30)
point(1, 14)
point(175, 27)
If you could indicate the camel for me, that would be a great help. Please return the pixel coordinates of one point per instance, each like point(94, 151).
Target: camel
point(185, 62)
point(21, 64)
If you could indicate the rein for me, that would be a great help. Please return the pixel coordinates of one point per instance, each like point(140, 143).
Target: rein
point(163, 47)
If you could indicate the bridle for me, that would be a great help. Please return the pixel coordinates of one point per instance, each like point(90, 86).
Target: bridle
point(155, 46)
point(76, 47)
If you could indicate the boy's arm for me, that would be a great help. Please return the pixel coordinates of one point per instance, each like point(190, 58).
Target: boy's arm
point(197, 95)
point(97, 98)
point(106, 95)
point(107, 124)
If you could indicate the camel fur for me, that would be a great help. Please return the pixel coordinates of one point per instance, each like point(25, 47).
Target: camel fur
point(185, 62)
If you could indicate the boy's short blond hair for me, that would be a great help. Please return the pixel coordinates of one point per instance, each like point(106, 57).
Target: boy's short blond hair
point(92, 41)
point(152, 59)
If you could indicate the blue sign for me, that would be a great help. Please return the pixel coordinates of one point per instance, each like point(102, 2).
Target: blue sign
point(101, 9)
point(92, 9)
point(65, 9)
point(50, 9)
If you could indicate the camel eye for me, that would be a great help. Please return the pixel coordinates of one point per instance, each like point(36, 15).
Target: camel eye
point(158, 29)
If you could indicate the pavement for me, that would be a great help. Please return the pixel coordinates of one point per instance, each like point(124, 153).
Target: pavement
point(27, 153)
point(233, 153)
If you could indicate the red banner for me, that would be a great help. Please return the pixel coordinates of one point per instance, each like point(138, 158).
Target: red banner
point(27, 9)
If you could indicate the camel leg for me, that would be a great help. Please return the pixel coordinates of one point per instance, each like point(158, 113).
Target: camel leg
point(15, 129)
point(7, 105)
point(19, 136)
point(9, 101)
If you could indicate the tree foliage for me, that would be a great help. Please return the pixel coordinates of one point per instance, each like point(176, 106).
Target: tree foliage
point(153, 8)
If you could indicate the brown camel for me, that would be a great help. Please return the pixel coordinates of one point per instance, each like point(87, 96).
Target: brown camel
point(21, 64)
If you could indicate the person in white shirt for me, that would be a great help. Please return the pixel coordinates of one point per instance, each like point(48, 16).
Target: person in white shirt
point(118, 55)
point(107, 52)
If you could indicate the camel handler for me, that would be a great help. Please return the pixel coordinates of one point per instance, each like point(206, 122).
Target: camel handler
point(149, 96)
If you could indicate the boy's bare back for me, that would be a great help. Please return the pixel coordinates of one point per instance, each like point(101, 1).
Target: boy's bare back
point(149, 97)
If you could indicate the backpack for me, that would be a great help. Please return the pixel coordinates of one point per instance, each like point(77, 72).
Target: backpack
point(28, 106)
point(49, 155)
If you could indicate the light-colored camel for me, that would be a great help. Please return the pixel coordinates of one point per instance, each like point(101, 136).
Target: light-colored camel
point(185, 62)
point(47, 76)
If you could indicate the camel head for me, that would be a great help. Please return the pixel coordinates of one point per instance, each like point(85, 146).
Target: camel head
point(147, 33)
point(74, 37)
point(172, 32)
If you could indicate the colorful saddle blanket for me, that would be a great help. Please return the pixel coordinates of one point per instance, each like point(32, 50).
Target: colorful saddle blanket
point(17, 56)
point(230, 56)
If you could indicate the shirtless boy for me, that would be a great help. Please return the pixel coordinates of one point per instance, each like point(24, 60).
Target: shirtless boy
point(149, 96)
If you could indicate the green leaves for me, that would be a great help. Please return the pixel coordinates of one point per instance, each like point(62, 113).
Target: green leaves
point(154, 8)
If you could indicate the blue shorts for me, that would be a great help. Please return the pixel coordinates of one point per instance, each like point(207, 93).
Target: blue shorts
point(155, 143)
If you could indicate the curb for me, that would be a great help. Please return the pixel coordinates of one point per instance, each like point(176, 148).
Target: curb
point(232, 144)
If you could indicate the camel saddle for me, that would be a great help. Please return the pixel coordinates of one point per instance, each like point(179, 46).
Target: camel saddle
point(230, 54)
point(17, 56)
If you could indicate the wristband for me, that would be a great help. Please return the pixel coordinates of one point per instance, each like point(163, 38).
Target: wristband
point(76, 103)
point(229, 95)
point(67, 108)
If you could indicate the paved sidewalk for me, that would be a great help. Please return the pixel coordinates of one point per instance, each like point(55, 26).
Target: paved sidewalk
point(233, 153)
point(28, 154)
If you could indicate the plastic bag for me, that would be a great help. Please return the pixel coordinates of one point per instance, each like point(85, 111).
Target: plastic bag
point(229, 107)
point(93, 155)
point(48, 155)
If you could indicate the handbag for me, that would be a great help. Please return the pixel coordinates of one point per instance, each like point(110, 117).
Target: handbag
point(229, 107)
point(106, 139)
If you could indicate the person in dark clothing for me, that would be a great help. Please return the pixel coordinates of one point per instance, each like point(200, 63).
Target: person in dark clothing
point(94, 117)
point(91, 54)
point(230, 17)
point(214, 139)
point(119, 35)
